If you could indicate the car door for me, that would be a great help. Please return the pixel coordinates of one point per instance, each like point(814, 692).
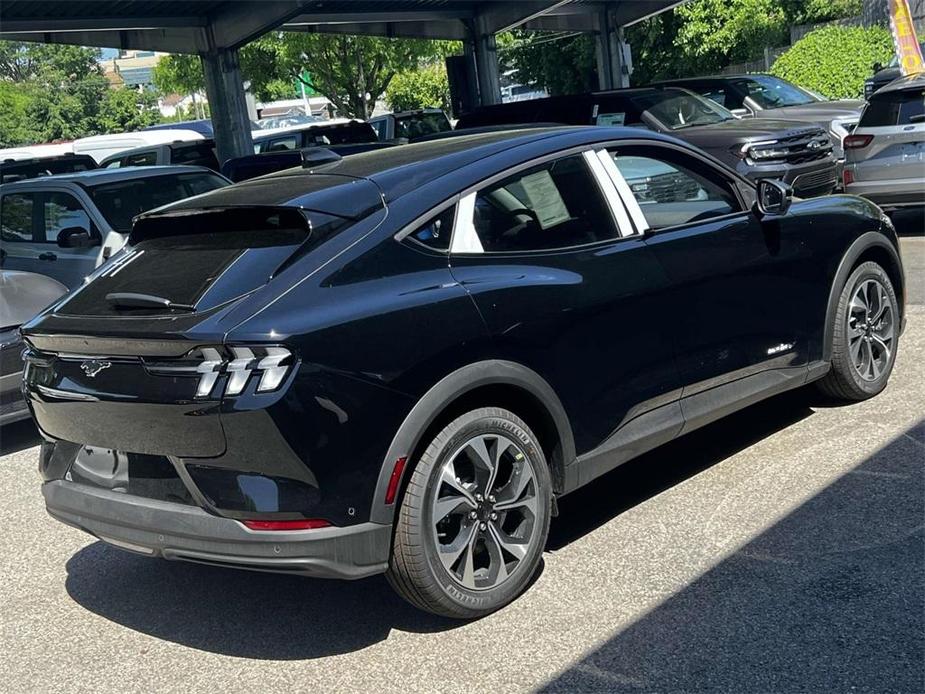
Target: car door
point(738, 286)
point(61, 211)
point(567, 289)
point(21, 235)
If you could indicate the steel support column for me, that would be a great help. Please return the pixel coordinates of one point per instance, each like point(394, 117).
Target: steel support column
point(608, 37)
point(486, 62)
point(227, 103)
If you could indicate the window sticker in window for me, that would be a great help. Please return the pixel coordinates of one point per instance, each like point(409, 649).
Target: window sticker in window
point(545, 199)
point(610, 119)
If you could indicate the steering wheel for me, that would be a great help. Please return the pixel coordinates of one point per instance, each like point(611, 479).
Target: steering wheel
point(528, 213)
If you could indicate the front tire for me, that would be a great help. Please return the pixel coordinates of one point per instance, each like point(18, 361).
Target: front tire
point(865, 335)
point(474, 518)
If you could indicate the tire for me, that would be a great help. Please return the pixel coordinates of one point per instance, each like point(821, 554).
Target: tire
point(448, 505)
point(863, 342)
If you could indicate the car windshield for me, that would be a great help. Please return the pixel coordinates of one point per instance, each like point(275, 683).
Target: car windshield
point(678, 109)
point(773, 92)
point(121, 201)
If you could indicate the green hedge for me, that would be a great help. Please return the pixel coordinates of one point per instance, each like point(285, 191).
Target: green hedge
point(835, 60)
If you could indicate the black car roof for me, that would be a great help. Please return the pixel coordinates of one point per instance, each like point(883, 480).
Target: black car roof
point(395, 170)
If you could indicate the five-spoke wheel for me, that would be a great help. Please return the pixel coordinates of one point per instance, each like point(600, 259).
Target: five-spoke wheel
point(474, 517)
point(865, 330)
point(484, 511)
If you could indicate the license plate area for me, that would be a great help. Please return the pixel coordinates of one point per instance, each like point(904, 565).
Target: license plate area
point(137, 474)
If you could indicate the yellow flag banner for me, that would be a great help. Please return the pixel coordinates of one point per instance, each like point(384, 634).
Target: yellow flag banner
point(907, 45)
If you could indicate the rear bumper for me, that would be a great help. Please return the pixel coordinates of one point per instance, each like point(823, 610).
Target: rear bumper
point(177, 531)
point(891, 193)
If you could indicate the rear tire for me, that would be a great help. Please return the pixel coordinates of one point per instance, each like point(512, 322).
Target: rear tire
point(474, 518)
point(864, 336)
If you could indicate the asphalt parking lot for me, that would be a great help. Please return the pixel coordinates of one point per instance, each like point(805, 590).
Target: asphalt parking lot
point(781, 550)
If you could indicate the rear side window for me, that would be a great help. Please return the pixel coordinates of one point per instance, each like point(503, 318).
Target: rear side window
point(436, 232)
point(142, 159)
point(200, 155)
point(554, 205)
point(16, 217)
point(894, 108)
point(421, 124)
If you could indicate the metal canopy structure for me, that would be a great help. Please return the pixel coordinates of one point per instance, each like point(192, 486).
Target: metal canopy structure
point(216, 29)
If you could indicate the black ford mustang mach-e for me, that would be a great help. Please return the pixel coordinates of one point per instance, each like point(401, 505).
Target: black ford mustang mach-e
point(397, 362)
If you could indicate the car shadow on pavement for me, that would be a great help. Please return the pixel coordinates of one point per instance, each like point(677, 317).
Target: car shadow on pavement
point(831, 598)
point(240, 613)
point(909, 222)
point(18, 436)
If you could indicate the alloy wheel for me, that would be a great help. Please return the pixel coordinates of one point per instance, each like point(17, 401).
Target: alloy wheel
point(870, 329)
point(484, 511)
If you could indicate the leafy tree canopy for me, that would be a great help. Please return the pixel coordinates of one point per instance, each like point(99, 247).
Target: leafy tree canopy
point(50, 92)
point(424, 87)
point(835, 60)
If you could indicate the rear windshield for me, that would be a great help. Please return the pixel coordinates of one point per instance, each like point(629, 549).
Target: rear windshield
point(341, 134)
point(894, 108)
point(203, 259)
point(15, 171)
point(121, 201)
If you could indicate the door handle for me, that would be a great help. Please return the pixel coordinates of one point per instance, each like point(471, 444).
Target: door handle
point(47, 256)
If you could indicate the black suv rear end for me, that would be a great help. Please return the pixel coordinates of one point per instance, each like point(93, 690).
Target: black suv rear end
point(797, 153)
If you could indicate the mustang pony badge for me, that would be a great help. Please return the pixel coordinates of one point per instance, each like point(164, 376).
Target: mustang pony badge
point(93, 367)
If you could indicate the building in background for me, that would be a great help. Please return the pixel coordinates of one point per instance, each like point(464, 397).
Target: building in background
point(131, 69)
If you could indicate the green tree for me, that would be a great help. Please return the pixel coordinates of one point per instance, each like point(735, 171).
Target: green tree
point(835, 60)
point(423, 87)
point(16, 128)
point(128, 109)
point(353, 71)
point(560, 63)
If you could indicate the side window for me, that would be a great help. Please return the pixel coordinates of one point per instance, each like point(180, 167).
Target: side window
point(16, 217)
point(436, 232)
point(282, 144)
point(141, 159)
point(673, 188)
point(63, 211)
point(114, 164)
point(554, 205)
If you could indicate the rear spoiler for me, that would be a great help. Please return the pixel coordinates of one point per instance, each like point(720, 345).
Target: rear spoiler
point(217, 219)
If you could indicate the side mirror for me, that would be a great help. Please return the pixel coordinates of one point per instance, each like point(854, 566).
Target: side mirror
point(878, 66)
point(774, 197)
point(76, 237)
point(741, 112)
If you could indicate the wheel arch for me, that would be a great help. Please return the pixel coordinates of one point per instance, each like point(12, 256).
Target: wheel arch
point(486, 383)
point(869, 246)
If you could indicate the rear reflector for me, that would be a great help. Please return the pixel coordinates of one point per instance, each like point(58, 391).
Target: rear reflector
point(857, 141)
point(392, 489)
point(302, 524)
point(847, 177)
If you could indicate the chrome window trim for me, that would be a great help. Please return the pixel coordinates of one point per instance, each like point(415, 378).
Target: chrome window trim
point(606, 183)
point(465, 238)
point(626, 195)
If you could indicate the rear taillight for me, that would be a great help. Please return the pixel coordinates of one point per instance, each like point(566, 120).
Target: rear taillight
point(857, 141)
point(301, 524)
point(268, 365)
